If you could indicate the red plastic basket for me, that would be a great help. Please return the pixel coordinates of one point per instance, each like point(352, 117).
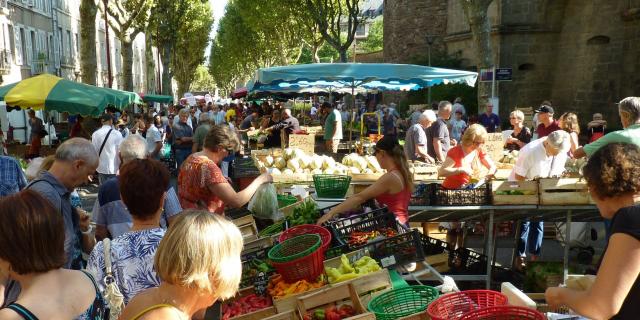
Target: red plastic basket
point(504, 313)
point(307, 267)
point(308, 229)
point(456, 305)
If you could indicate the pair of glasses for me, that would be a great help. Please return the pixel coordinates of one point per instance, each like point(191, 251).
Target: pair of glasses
point(477, 143)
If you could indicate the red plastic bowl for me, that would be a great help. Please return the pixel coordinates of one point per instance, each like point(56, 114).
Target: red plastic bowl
point(324, 234)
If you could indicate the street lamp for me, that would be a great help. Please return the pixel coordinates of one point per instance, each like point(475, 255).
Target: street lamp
point(430, 40)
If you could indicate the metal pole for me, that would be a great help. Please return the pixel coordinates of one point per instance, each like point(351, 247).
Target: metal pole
point(493, 82)
point(355, 44)
point(567, 241)
point(429, 88)
point(106, 33)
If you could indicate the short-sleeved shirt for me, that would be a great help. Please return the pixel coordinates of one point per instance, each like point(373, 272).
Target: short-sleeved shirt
point(627, 221)
point(457, 155)
point(246, 123)
point(230, 113)
point(524, 136)
point(533, 162)
point(438, 130)
point(153, 136)
point(36, 127)
point(196, 175)
point(109, 161)
point(543, 131)
point(415, 117)
point(201, 132)
point(333, 121)
point(457, 128)
point(12, 177)
point(415, 135)
point(629, 135)
point(289, 125)
point(110, 211)
point(59, 196)
point(490, 122)
point(132, 256)
point(181, 130)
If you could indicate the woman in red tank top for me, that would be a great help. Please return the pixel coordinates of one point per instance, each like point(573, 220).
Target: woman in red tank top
point(393, 189)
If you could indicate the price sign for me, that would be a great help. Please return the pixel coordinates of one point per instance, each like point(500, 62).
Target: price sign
point(494, 145)
point(304, 142)
point(260, 283)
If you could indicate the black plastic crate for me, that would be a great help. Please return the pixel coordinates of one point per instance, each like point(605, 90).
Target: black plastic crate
point(336, 251)
point(248, 258)
point(432, 246)
point(244, 168)
point(423, 194)
point(465, 261)
point(386, 220)
point(235, 213)
point(396, 251)
point(479, 196)
point(356, 218)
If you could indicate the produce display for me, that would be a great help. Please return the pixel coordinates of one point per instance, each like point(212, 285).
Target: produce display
point(295, 161)
point(516, 192)
point(305, 213)
point(243, 305)
point(278, 288)
point(252, 269)
point(348, 271)
point(509, 157)
point(358, 238)
point(574, 166)
point(330, 313)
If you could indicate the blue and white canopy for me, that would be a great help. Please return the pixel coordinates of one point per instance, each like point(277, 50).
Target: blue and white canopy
point(342, 77)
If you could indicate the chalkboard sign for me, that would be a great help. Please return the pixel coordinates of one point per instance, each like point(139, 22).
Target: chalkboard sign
point(494, 145)
point(304, 142)
point(260, 283)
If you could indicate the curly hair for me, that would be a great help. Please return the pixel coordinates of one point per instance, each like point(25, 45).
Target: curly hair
point(569, 122)
point(612, 171)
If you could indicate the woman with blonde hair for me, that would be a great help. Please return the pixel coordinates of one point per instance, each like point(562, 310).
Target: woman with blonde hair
point(521, 135)
point(569, 123)
point(393, 189)
point(198, 262)
point(462, 160)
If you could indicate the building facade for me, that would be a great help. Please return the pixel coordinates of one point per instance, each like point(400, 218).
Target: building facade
point(581, 55)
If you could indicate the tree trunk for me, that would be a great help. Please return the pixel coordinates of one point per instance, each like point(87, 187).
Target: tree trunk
point(88, 59)
point(150, 76)
point(343, 55)
point(165, 53)
point(183, 87)
point(314, 53)
point(476, 13)
point(127, 65)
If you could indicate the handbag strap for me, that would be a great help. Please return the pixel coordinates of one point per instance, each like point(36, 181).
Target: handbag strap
point(104, 142)
point(106, 244)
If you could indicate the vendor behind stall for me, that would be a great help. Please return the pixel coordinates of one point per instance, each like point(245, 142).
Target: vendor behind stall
point(461, 165)
point(541, 158)
point(614, 183)
point(393, 189)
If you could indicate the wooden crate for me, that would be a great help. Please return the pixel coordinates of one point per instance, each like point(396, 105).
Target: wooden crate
point(289, 315)
point(259, 243)
point(503, 174)
point(289, 303)
point(529, 187)
point(336, 295)
point(247, 226)
point(365, 177)
point(564, 191)
point(292, 178)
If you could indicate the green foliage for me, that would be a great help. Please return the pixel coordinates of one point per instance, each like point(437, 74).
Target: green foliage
point(443, 92)
point(374, 41)
point(203, 81)
point(332, 16)
point(327, 54)
point(190, 44)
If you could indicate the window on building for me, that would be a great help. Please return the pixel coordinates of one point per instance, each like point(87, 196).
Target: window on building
point(69, 52)
point(77, 43)
point(23, 48)
point(12, 41)
point(34, 45)
point(60, 43)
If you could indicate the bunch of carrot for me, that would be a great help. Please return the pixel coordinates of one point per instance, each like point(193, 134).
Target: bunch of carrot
point(278, 288)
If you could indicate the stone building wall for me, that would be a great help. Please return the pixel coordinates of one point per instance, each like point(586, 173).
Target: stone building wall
point(582, 55)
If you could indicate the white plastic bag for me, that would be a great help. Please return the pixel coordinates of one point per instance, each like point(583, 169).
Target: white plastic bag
point(264, 203)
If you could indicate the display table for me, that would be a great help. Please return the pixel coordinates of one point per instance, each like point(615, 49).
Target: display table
point(493, 214)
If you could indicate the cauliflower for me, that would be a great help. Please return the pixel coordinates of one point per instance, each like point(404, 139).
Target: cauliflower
point(328, 162)
point(305, 162)
point(293, 164)
point(316, 171)
point(298, 153)
point(288, 153)
point(316, 162)
point(268, 161)
point(354, 170)
point(287, 171)
point(280, 163)
point(274, 171)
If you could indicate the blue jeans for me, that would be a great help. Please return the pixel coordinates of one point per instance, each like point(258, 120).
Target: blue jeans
point(181, 156)
point(531, 234)
point(103, 177)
